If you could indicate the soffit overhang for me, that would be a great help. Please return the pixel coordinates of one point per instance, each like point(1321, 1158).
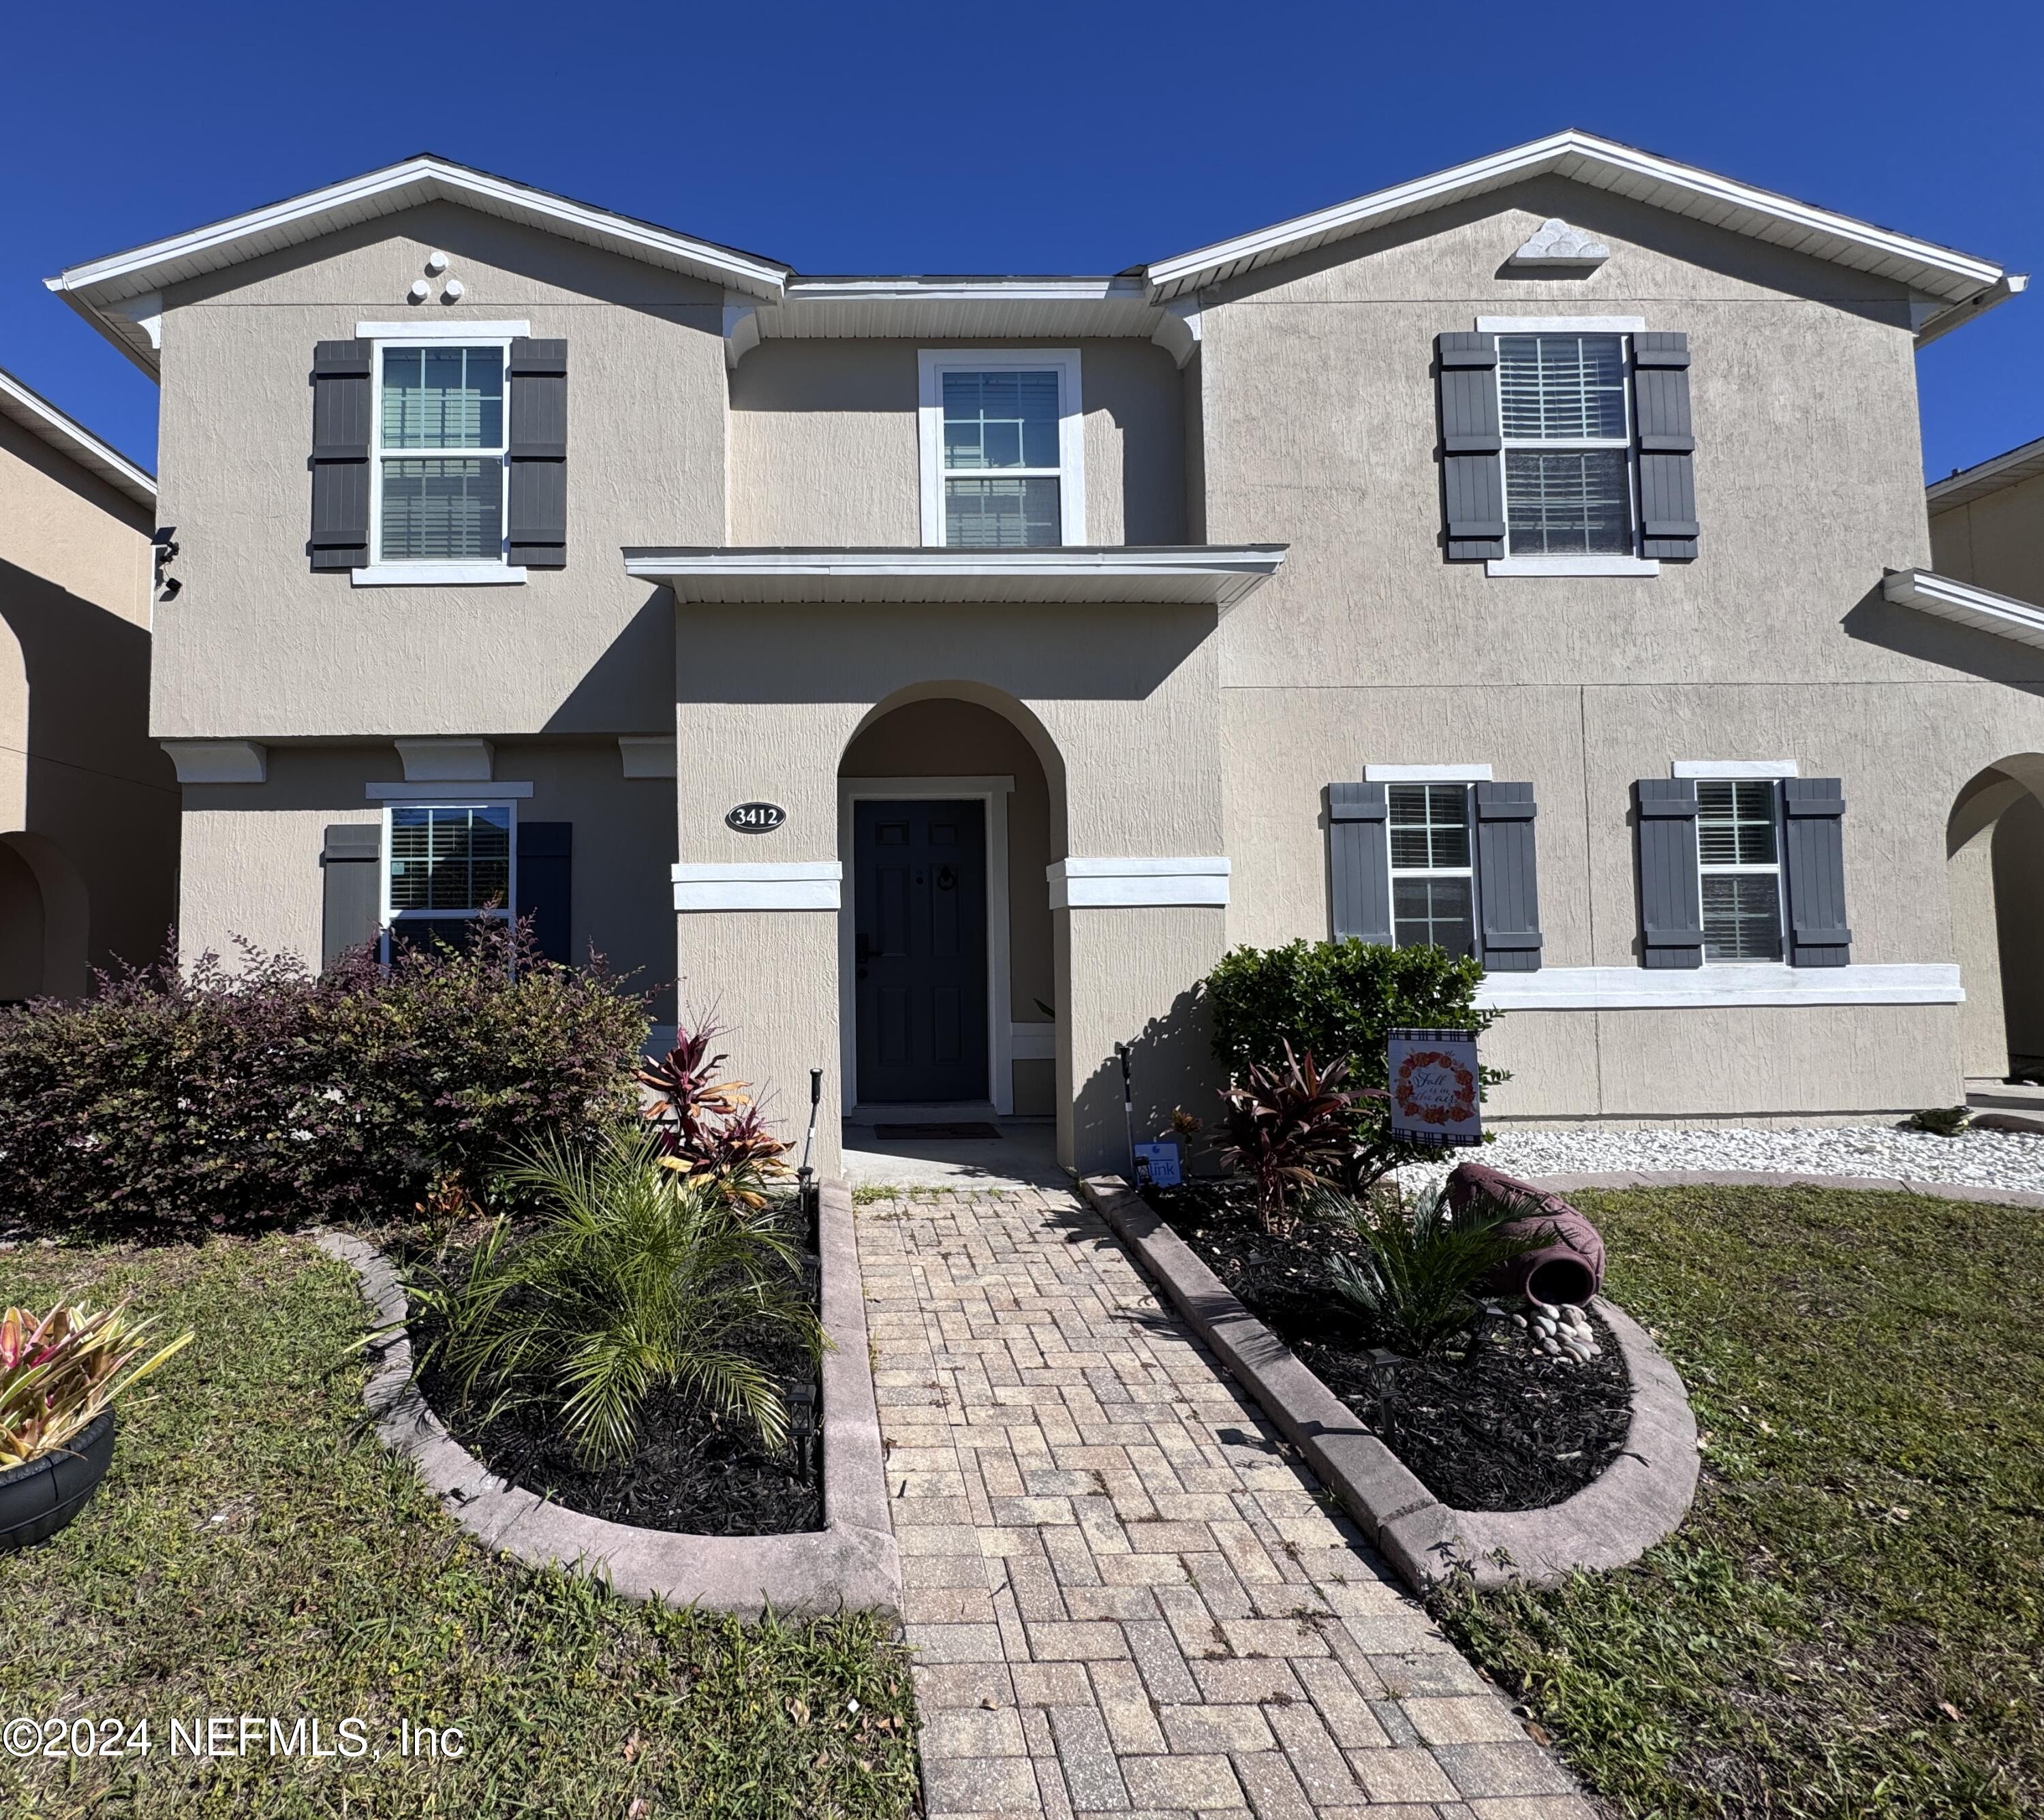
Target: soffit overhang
point(1954, 285)
point(1985, 477)
point(1156, 575)
point(1963, 604)
point(37, 415)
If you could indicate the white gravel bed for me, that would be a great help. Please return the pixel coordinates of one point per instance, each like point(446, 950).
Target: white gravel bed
point(1977, 1159)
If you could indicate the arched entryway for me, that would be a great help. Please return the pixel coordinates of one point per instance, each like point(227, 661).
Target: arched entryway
point(45, 926)
point(1995, 858)
point(950, 809)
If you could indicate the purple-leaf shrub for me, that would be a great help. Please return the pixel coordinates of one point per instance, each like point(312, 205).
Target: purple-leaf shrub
point(223, 1099)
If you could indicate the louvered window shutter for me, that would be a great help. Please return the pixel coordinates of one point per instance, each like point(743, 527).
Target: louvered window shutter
point(1472, 470)
point(1813, 856)
point(1667, 447)
point(1671, 908)
point(546, 852)
point(1358, 862)
point(351, 893)
point(538, 529)
point(343, 421)
point(1507, 878)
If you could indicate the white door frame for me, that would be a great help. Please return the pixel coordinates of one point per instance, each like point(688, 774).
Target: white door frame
point(994, 792)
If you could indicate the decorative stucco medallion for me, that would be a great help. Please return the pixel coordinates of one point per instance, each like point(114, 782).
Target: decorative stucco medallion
point(1557, 243)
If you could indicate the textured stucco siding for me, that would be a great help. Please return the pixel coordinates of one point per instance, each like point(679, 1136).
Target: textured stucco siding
point(1995, 541)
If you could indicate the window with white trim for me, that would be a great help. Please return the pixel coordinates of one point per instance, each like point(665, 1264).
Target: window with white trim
point(441, 455)
point(1002, 466)
point(1739, 855)
point(445, 865)
point(1564, 407)
point(1433, 876)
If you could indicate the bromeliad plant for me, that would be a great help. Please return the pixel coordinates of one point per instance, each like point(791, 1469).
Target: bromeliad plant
point(1413, 1276)
point(59, 1370)
point(710, 1129)
point(639, 1278)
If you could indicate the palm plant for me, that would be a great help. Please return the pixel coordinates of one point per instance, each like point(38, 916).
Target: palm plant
point(1414, 1277)
point(636, 1280)
point(59, 1370)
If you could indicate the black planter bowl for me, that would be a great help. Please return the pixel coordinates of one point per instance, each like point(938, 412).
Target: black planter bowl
point(37, 1500)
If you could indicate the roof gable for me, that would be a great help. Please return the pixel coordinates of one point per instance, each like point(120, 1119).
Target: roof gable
point(1955, 285)
point(37, 415)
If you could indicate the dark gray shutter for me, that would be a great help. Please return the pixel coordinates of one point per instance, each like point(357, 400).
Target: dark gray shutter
point(1471, 475)
point(1814, 856)
point(1671, 908)
point(1358, 862)
point(545, 852)
point(1667, 447)
point(1507, 878)
point(342, 420)
point(538, 530)
point(352, 896)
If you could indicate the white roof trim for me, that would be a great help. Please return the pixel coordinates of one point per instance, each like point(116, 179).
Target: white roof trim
point(1176, 574)
point(97, 287)
point(1985, 477)
point(37, 415)
point(1956, 279)
point(1966, 605)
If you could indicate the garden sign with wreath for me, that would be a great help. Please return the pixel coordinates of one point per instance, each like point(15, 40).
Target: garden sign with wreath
point(1435, 1098)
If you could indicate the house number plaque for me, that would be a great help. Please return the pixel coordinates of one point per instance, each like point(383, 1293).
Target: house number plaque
point(755, 817)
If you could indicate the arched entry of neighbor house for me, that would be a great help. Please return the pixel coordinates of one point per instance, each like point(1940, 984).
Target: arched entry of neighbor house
point(951, 806)
point(1994, 845)
point(44, 920)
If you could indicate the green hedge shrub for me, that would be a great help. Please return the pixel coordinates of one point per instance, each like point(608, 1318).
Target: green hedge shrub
point(1343, 998)
point(179, 1102)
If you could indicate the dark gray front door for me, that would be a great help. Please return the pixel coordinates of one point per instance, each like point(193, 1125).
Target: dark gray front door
point(919, 947)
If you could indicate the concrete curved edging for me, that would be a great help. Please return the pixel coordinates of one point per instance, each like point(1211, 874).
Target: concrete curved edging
point(1637, 1499)
point(850, 1564)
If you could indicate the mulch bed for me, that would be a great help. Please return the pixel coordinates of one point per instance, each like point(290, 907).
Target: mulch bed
point(1497, 1426)
point(694, 1472)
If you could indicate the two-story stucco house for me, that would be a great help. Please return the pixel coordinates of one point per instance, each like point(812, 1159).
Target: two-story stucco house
point(939, 674)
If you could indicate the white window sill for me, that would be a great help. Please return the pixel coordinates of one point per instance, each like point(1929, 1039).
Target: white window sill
point(437, 575)
point(1571, 566)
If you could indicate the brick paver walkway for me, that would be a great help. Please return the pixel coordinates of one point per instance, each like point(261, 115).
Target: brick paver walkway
point(1122, 1597)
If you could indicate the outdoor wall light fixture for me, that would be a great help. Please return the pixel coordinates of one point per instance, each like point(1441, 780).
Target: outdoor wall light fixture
point(164, 541)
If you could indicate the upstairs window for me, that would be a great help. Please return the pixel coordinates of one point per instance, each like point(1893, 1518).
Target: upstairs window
point(441, 468)
point(1739, 854)
point(447, 864)
point(1001, 449)
point(1564, 412)
point(1433, 880)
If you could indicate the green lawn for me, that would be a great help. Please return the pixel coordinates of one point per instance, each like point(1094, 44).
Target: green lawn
point(251, 1554)
point(1849, 1623)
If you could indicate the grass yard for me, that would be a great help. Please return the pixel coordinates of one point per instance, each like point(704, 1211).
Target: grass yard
point(1851, 1623)
point(250, 1554)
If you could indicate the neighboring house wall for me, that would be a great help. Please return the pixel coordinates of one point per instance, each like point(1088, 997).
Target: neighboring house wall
point(88, 805)
point(1995, 541)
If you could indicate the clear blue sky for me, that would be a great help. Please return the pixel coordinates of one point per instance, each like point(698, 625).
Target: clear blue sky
point(1043, 137)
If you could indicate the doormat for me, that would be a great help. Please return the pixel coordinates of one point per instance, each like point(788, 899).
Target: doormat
point(962, 1128)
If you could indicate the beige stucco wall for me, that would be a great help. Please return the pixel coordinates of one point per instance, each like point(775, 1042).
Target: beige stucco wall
point(1996, 542)
point(824, 447)
point(257, 646)
point(251, 857)
point(93, 801)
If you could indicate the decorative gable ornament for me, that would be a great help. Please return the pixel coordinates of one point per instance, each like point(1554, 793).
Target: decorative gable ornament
point(1557, 243)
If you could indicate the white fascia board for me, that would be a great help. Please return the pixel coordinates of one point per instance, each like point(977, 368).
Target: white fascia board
point(968, 291)
point(36, 414)
point(1427, 773)
point(759, 885)
point(1122, 883)
point(1733, 768)
point(1957, 278)
point(1699, 988)
point(441, 329)
point(1966, 605)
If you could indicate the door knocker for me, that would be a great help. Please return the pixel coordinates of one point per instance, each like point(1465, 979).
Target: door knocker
point(947, 878)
